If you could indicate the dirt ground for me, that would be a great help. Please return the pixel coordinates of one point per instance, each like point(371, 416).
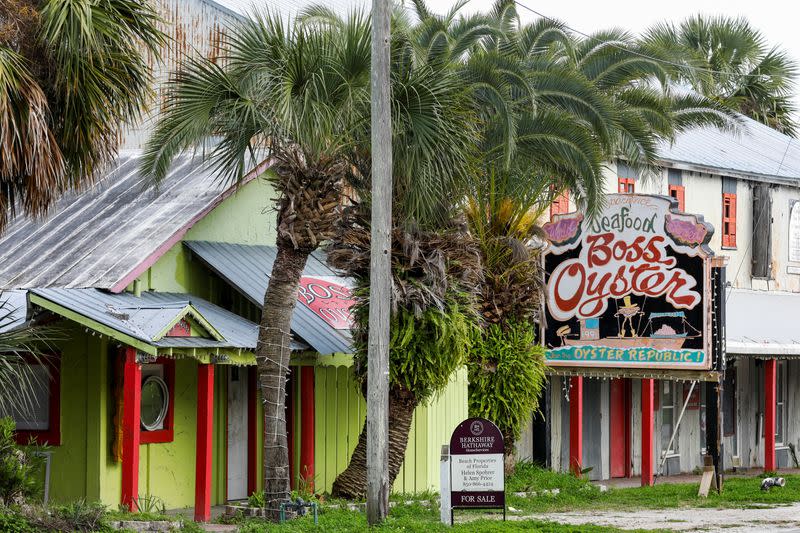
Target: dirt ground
point(761, 519)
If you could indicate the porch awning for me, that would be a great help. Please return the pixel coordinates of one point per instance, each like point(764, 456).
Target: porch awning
point(145, 321)
point(762, 323)
point(247, 269)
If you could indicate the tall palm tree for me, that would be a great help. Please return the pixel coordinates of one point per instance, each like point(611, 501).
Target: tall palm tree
point(553, 109)
point(730, 61)
point(72, 75)
point(296, 93)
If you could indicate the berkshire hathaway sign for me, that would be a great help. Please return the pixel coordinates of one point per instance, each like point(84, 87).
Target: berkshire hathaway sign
point(476, 465)
point(629, 288)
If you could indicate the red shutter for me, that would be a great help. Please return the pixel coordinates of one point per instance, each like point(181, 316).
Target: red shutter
point(729, 220)
point(560, 205)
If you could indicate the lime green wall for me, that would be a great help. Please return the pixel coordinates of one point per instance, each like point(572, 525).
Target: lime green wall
point(339, 417)
point(246, 217)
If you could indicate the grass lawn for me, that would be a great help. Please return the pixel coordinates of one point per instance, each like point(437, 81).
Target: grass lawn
point(577, 494)
point(411, 518)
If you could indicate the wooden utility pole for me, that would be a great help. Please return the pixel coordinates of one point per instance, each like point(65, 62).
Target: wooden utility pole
point(380, 271)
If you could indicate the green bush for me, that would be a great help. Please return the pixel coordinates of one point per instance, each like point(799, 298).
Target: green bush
point(11, 522)
point(19, 468)
point(506, 375)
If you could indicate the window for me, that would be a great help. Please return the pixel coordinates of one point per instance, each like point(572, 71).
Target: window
point(675, 187)
point(626, 185)
point(677, 192)
point(40, 420)
point(157, 401)
point(668, 417)
point(729, 220)
point(626, 179)
point(560, 205)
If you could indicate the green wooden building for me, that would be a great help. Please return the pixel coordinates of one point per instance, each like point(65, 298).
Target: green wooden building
point(151, 388)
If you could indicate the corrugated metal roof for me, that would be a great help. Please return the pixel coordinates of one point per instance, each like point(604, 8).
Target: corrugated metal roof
point(247, 269)
point(757, 151)
point(774, 333)
point(13, 309)
point(144, 317)
point(96, 237)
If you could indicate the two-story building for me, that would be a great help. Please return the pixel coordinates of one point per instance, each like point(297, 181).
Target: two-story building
point(747, 185)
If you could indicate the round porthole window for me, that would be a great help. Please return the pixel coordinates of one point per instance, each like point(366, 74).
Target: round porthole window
point(155, 401)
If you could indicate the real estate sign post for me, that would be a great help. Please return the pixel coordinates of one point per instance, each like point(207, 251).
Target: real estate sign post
point(477, 477)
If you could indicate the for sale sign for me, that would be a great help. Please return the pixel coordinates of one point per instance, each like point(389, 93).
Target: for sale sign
point(476, 465)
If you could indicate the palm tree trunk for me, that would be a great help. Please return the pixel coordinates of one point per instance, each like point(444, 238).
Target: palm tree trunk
point(272, 356)
point(352, 482)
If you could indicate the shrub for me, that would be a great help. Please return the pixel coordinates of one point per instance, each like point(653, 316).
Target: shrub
point(19, 468)
point(11, 522)
point(506, 376)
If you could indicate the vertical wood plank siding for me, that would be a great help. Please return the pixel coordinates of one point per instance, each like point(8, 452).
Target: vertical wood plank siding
point(340, 411)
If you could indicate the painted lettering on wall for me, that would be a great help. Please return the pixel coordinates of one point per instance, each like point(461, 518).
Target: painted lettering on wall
point(328, 299)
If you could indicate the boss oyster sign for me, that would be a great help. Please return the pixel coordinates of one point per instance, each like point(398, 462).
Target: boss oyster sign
point(476, 465)
point(629, 288)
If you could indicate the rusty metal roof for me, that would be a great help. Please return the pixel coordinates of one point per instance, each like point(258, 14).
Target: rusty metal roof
point(247, 269)
point(97, 237)
point(756, 152)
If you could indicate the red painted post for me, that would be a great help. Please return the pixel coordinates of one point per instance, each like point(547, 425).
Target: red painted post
point(770, 375)
point(205, 428)
point(131, 420)
point(576, 424)
point(307, 425)
point(648, 393)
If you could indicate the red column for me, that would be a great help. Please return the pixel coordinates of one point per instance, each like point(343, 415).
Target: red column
point(205, 427)
point(576, 424)
point(648, 390)
point(307, 425)
point(770, 375)
point(252, 430)
point(131, 420)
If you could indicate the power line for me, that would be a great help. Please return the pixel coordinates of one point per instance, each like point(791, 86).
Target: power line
point(634, 52)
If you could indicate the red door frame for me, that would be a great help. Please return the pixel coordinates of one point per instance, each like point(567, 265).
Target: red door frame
point(205, 433)
point(770, 384)
point(648, 393)
point(131, 431)
point(576, 424)
point(620, 418)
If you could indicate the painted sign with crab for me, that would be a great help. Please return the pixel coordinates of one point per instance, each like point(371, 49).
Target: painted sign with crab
point(629, 287)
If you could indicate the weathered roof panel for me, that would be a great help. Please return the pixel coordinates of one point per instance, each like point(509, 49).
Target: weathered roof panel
point(247, 268)
point(96, 237)
point(757, 151)
point(144, 317)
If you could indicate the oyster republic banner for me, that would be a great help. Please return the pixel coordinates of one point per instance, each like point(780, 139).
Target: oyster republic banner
point(629, 288)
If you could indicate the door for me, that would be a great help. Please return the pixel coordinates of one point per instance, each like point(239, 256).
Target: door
point(237, 433)
point(620, 431)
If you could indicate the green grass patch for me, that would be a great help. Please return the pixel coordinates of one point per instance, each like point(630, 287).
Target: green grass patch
point(412, 518)
point(579, 494)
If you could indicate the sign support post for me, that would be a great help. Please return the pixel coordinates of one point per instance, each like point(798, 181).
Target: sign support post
point(648, 391)
point(576, 425)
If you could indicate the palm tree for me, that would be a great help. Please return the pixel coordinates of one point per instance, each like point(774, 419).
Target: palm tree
point(289, 94)
point(296, 93)
point(72, 75)
point(553, 110)
point(726, 59)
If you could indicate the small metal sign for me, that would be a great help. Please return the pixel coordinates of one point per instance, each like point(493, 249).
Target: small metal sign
point(476, 466)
